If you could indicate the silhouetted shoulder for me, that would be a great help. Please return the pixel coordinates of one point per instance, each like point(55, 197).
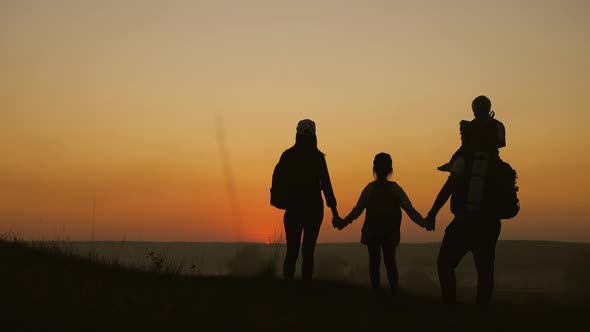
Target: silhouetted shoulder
point(371, 184)
point(288, 152)
point(369, 188)
point(396, 187)
point(288, 159)
point(295, 151)
point(388, 186)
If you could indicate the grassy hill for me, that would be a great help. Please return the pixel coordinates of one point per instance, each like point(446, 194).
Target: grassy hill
point(44, 288)
point(546, 267)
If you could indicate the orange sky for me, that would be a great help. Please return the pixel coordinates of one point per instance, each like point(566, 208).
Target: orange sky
point(121, 100)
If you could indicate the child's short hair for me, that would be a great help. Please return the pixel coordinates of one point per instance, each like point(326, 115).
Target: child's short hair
point(382, 165)
point(481, 106)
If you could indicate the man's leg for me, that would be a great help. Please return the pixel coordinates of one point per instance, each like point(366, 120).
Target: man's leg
point(484, 253)
point(293, 229)
point(311, 231)
point(391, 265)
point(454, 246)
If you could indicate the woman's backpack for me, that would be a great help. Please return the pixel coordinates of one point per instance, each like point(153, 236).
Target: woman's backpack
point(279, 189)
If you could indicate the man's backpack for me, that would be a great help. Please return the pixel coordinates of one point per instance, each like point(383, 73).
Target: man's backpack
point(488, 188)
point(501, 190)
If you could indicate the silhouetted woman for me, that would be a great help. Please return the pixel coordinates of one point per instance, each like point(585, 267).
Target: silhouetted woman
point(298, 181)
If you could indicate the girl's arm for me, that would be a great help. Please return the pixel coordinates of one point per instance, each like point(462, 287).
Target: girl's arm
point(407, 206)
point(361, 205)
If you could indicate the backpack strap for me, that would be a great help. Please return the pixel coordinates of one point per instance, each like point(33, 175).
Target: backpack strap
point(477, 175)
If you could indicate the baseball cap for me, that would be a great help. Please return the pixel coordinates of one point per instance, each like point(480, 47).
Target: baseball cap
point(306, 127)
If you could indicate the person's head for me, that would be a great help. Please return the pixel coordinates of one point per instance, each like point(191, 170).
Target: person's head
point(306, 138)
point(382, 166)
point(481, 106)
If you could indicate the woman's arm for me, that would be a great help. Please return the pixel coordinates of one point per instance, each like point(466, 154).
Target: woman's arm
point(327, 186)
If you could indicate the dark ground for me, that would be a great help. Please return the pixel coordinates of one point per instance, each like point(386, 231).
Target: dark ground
point(44, 289)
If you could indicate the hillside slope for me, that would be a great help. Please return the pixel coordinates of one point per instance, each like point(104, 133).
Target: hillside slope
point(44, 289)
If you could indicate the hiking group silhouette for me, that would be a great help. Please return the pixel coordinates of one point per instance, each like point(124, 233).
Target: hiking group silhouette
point(482, 189)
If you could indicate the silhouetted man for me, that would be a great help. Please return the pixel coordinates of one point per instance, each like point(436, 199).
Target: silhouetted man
point(473, 228)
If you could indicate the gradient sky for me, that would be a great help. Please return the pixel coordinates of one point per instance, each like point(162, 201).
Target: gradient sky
point(139, 104)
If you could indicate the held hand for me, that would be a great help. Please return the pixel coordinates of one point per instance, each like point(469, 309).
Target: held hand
point(339, 223)
point(336, 221)
point(430, 222)
point(423, 223)
point(343, 223)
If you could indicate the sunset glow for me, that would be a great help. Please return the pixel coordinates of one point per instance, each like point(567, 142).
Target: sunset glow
point(172, 115)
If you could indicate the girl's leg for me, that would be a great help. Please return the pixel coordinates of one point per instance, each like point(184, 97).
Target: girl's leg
point(389, 258)
point(374, 262)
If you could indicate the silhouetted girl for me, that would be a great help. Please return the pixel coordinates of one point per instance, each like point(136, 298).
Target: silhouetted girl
point(383, 200)
point(298, 181)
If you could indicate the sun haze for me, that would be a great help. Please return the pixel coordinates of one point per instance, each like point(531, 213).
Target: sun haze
point(169, 117)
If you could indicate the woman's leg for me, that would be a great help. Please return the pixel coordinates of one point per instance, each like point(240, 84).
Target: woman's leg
point(389, 253)
point(374, 262)
point(293, 229)
point(311, 231)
